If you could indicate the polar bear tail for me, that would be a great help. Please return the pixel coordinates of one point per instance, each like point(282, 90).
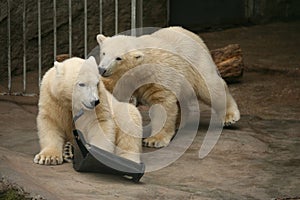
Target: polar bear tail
point(68, 153)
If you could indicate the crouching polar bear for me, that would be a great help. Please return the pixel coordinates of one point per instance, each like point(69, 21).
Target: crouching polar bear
point(76, 81)
point(170, 49)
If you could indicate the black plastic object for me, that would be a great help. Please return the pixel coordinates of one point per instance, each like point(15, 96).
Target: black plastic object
point(89, 158)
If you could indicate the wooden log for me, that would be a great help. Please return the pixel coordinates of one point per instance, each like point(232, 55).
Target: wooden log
point(62, 57)
point(228, 59)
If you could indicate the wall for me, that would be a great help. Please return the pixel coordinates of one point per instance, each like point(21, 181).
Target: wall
point(155, 14)
point(194, 14)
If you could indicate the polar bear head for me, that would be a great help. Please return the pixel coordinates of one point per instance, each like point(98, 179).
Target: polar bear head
point(116, 51)
point(85, 90)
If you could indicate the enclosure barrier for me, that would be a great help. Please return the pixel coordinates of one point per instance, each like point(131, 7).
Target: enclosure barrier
point(24, 91)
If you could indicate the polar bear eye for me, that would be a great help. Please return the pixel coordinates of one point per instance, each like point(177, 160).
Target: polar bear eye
point(103, 53)
point(118, 58)
point(81, 84)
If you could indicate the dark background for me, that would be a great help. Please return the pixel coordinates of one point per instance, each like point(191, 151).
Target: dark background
point(200, 15)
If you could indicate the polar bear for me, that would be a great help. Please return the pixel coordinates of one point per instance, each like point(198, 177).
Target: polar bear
point(95, 126)
point(55, 118)
point(172, 47)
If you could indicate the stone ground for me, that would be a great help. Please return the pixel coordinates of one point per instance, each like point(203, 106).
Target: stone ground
point(256, 159)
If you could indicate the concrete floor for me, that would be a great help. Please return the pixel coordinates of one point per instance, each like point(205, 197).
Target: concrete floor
point(256, 159)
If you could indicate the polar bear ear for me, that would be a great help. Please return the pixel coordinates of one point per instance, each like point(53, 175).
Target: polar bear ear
point(138, 55)
point(100, 38)
point(91, 60)
point(92, 64)
point(59, 67)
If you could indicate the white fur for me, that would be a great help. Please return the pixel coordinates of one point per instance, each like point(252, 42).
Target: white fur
point(179, 48)
point(54, 120)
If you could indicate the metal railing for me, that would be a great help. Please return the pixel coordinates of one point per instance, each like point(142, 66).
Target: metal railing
point(24, 91)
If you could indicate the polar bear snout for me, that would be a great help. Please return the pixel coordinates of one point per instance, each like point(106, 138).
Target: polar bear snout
point(91, 105)
point(95, 100)
point(102, 71)
point(107, 67)
point(95, 103)
point(88, 96)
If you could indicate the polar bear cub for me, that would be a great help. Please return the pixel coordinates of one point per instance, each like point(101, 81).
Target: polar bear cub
point(76, 78)
point(84, 100)
point(172, 47)
point(127, 127)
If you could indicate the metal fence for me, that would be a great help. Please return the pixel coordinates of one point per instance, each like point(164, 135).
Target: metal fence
point(136, 14)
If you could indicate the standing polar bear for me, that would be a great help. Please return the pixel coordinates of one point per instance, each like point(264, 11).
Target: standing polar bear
point(164, 51)
point(76, 82)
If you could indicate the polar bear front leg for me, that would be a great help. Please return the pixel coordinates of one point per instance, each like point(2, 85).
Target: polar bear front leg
point(128, 146)
point(129, 132)
point(168, 102)
point(51, 142)
point(49, 156)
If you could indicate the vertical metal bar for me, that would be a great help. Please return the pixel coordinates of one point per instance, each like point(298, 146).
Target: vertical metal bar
point(100, 17)
point(85, 29)
point(24, 46)
point(8, 47)
point(39, 42)
point(168, 12)
point(70, 28)
point(133, 17)
point(116, 16)
point(54, 29)
point(139, 16)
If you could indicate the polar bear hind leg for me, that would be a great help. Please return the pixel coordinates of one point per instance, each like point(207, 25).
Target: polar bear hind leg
point(232, 111)
point(68, 152)
point(220, 99)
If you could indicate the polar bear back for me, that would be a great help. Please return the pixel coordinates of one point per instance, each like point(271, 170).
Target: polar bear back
point(187, 45)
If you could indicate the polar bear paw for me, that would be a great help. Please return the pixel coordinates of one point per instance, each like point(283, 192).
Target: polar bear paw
point(232, 116)
point(156, 141)
point(68, 152)
point(48, 157)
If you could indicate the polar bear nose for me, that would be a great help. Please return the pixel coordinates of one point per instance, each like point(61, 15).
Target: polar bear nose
point(95, 103)
point(101, 70)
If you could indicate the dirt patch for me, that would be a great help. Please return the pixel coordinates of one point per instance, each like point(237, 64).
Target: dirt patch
point(9, 191)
